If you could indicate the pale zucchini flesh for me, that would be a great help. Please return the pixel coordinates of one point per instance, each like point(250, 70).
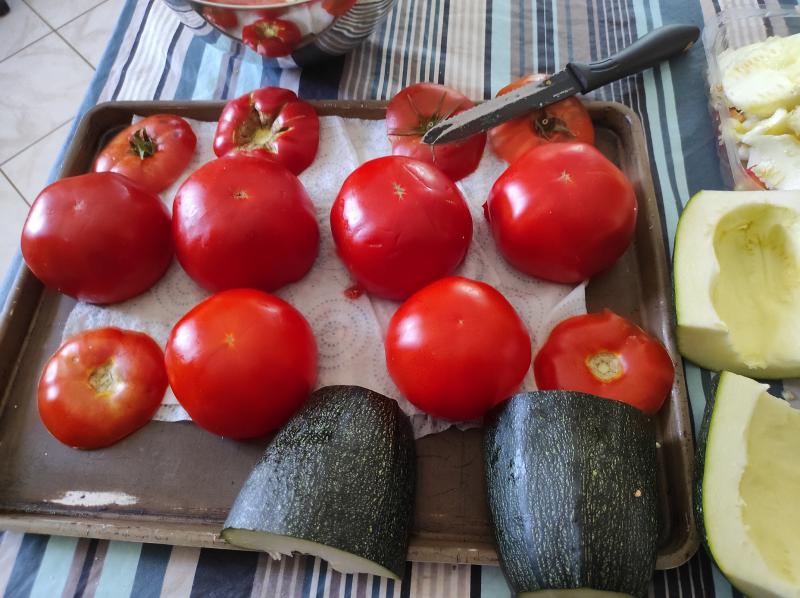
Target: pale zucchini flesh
point(750, 486)
point(276, 546)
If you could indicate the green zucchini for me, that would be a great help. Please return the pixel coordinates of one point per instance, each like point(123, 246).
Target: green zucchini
point(572, 493)
point(336, 482)
point(748, 484)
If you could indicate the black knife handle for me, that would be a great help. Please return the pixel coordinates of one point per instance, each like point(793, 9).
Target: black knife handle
point(647, 51)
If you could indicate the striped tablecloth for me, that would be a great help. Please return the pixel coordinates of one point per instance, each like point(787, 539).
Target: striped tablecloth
point(476, 46)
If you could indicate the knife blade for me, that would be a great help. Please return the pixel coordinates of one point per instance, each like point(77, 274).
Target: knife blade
point(646, 52)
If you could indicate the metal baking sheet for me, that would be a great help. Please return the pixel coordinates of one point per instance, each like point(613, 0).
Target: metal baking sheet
point(185, 479)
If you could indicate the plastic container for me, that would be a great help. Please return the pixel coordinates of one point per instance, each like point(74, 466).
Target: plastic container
point(733, 29)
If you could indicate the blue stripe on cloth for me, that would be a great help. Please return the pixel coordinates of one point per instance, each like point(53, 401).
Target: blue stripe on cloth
point(119, 570)
point(54, 568)
point(86, 568)
point(150, 571)
point(405, 584)
point(501, 45)
point(348, 585)
point(377, 582)
point(443, 43)
point(224, 574)
point(168, 62)
point(308, 574)
point(137, 38)
point(26, 566)
point(475, 581)
point(493, 583)
point(190, 68)
point(322, 576)
point(321, 81)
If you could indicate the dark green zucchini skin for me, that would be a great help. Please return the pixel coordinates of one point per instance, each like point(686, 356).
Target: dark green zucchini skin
point(572, 492)
point(340, 473)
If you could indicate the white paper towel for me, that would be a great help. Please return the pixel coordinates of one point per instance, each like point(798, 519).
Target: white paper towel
point(349, 332)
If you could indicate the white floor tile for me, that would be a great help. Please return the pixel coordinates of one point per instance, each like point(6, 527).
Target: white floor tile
point(14, 210)
point(90, 32)
point(59, 12)
point(49, 80)
point(28, 170)
point(19, 28)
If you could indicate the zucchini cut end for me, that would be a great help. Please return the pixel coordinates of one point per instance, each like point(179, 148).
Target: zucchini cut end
point(277, 545)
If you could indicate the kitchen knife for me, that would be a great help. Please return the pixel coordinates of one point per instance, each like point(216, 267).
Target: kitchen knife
point(647, 51)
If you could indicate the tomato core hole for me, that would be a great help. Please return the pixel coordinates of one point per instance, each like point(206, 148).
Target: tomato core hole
point(102, 379)
point(605, 366)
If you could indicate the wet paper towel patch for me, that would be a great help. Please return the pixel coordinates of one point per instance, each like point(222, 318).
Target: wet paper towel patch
point(349, 332)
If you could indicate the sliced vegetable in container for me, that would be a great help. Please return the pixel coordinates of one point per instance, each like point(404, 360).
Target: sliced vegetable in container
point(100, 386)
point(562, 212)
point(737, 282)
point(571, 487)
point(336, 482)
point(241, 363)
point(97, 237)
point(457, 348)
point(152, 152)
point(244, 222)
point(270, 122)
point(565, 121)
point(399, 224)
point(606, 355)
point(747, 489)
point(417, 108)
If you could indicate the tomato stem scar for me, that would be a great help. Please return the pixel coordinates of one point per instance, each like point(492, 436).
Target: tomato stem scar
point(102, 379)
point(605, 366)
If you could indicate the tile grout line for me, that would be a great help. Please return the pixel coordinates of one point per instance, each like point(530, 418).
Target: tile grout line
point(35, 141)
point(78, 16)
point(28, 45)
point(13, 186)
point(74, 49)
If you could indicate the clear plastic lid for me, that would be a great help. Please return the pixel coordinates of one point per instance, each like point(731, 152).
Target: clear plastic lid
point(733, 29)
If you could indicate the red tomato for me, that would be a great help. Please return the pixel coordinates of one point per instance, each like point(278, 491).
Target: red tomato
point(457, 348)
point(241, 363)
point(562, 212)
point(100, 386)
point(399, 224)
point(270, 122)
point(416, 109)
point(337, 7)
point(271, 37)
point(564, 121)
point(98, 237)
point(242, 221)
point(606, 355)
point(152, 152)
point(224, 18)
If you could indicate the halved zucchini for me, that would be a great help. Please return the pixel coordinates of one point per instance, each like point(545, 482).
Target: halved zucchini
point(336, 482)
point(749, 488)
point(737, 282)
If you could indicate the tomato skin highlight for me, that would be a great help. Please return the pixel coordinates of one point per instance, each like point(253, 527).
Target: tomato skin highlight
point(241, 363)
point(608, 356)
point(242, 221)
point(562, 212)
point(98, 237)
point(413, 110)
point(100, 386)
point(270, 122)
point(457, 348)
point(566, 121)
point(153, 152)
point(399, 224)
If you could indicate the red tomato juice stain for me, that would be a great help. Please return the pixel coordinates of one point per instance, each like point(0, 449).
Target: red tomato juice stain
point(353, 292)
